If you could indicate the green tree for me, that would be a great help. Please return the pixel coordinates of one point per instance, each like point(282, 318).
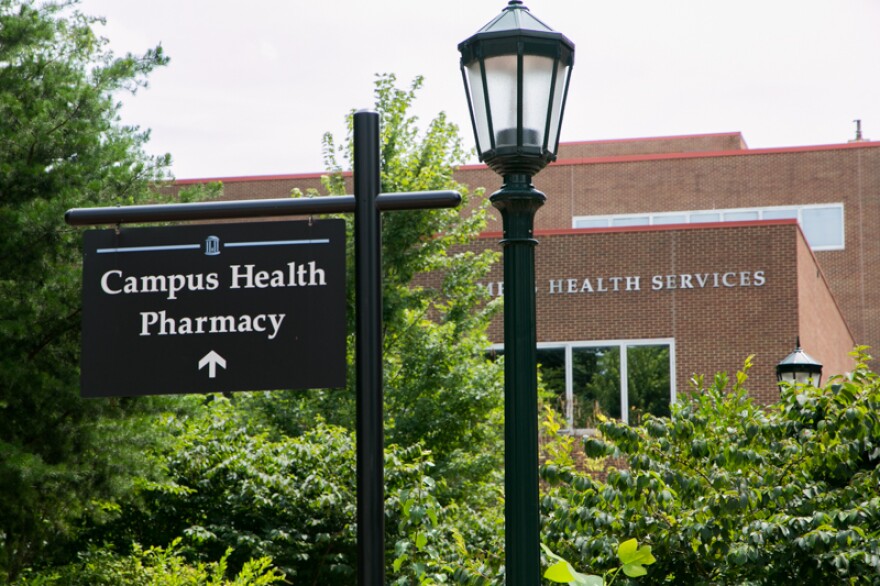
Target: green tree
point(440, 388)
point(61, 146)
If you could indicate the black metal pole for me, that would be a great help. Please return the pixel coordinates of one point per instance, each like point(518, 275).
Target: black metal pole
point(255, 208)
point(518, 201)
point(368, 349)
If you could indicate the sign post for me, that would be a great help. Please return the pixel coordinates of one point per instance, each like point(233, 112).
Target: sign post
point(369, 368)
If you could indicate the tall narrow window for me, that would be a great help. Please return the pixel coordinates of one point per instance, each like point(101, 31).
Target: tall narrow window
point(647, 381)
point(551, 365)
point(595, 384)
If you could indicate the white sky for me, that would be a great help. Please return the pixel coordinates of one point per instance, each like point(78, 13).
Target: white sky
point(252, 86)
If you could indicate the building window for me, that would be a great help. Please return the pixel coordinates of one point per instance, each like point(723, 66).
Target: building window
point(823, 227)
point(630, 221)
point(622, 379)
point(822, 224)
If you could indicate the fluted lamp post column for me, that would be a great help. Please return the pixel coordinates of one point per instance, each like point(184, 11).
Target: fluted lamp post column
point(516, 72)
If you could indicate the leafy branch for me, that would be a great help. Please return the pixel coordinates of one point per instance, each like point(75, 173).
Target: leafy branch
point(633, 560)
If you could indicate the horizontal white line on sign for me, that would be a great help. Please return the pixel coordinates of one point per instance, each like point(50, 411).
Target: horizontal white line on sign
point(149, 248)
point(275, 243)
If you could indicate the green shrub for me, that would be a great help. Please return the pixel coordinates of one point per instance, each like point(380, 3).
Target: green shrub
point(155, 566)
point(730, 492)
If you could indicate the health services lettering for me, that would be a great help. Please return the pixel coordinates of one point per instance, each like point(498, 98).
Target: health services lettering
point(639, 283)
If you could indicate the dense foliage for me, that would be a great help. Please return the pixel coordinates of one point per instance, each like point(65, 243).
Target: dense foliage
point(235, 485)
point(729, 492)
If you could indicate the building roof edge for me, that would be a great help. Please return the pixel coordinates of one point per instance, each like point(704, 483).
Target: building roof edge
point(710, 154)
point(659, 228)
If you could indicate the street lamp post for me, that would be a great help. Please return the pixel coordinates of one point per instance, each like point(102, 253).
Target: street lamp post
point(516, 71)
point(799, 367)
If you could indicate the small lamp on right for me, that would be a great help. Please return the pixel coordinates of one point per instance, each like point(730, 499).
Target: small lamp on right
point(799, 367)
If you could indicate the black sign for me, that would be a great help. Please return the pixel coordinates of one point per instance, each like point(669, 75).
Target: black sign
point(206, 308)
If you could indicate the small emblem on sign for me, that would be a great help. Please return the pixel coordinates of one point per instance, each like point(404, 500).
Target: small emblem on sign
point(212, 246)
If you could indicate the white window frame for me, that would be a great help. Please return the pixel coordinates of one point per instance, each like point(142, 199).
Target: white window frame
point(608, 220)
point(622, 346)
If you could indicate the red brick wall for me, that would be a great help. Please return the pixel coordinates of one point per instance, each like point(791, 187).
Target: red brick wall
point(714, 328)
point(826, 339)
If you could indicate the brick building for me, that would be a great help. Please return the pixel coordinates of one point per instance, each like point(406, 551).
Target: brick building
point(692, 253)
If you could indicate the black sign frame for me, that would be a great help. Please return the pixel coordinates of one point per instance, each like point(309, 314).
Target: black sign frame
point(214, 308)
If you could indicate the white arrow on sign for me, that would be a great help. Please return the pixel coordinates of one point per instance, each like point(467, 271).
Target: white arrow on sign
point(213, 360)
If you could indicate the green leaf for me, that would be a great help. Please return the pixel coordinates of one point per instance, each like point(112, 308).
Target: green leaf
point(421, 541)
point(634, 570)
point(399, 562)
point(634, 558)
point(628, 552)
point(560, 572)
point(563, 573)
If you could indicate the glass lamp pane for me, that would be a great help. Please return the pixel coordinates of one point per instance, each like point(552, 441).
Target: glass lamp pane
point(558, 95)
point(478, 101)
point(798, 377)
point(787, 377)
point(501, 81)
point(537, 87)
